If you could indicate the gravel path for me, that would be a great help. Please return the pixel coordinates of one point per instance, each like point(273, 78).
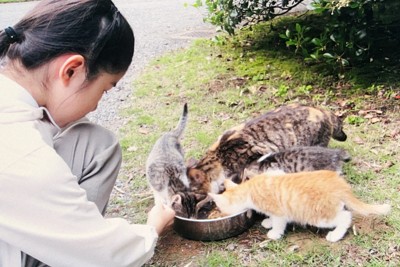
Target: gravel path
point(159, 26)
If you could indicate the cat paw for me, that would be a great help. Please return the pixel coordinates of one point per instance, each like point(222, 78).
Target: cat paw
point(333, 237)
point(274, 235)
point(267, 223)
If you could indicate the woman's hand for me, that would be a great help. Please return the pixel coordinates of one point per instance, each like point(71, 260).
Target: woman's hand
point(160, 216)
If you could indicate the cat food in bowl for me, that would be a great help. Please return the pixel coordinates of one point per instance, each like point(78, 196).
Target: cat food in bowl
point(214, 229)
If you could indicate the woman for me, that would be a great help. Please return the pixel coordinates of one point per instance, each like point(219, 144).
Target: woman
point(57, 169)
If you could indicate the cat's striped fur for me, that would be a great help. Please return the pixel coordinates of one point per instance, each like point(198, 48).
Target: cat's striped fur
point(299, 159)
point(166, 174)
point(279, 129)
point(165, 165)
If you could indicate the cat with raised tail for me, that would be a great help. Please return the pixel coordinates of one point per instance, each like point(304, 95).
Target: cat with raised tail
point(319, 198)
point(165, 165)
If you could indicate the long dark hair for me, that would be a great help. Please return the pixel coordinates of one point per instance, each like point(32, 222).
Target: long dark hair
point(94, 29)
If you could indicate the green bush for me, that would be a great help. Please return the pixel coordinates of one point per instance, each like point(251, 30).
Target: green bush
point(351, 32)
point(229, 14)
point(344, 33)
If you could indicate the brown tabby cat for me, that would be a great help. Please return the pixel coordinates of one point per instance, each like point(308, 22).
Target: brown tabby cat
point(320, 198)
point(285, 127)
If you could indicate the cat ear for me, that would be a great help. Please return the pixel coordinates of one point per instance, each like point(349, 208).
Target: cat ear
point(176, 200)
point(191, 162)
point(196, 176)
point(229, 184)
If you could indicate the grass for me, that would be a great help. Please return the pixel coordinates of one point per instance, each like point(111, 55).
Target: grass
point(232, 80)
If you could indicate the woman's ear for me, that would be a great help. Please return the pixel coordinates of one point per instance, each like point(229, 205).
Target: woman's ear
point(71, 67)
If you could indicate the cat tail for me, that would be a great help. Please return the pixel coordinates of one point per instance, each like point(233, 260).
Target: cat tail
point(364, 209)
point(178, 131)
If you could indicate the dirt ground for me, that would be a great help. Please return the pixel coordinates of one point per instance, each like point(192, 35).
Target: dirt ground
point(379, 134)
point(174, 250)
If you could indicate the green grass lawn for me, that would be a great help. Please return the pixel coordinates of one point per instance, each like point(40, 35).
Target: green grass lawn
point(232, 80)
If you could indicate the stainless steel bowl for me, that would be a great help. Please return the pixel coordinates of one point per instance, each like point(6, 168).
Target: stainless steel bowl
point(214, 229)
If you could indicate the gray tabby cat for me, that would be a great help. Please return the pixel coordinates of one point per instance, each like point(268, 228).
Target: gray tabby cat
point(165, 165)
point(300, 159)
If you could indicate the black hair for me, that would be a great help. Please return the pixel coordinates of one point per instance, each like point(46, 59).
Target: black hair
point(94, 29)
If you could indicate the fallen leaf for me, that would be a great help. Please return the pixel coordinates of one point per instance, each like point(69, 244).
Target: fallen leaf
point(225, 117)
point(395, 132)
point(388, 164)
point(144, 131)
point(203, 120)
point(342, 103)
point(358, 140)
point(231, 247)
point(394, 249)
point(244, 241)
point(354, 229)
point(376, 111)
point(374, 151)
point(264, 243)
point(254, 89)
point(369, 116)
point(375, 120)
point(293, 248)
point(132, 149)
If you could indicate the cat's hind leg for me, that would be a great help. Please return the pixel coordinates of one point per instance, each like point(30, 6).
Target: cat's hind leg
point(278, 227)
point(342, 222)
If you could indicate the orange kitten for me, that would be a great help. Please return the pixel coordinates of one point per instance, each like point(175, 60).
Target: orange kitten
point(319, 198)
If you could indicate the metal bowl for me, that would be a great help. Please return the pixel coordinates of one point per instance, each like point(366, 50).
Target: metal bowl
point(214, 229)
